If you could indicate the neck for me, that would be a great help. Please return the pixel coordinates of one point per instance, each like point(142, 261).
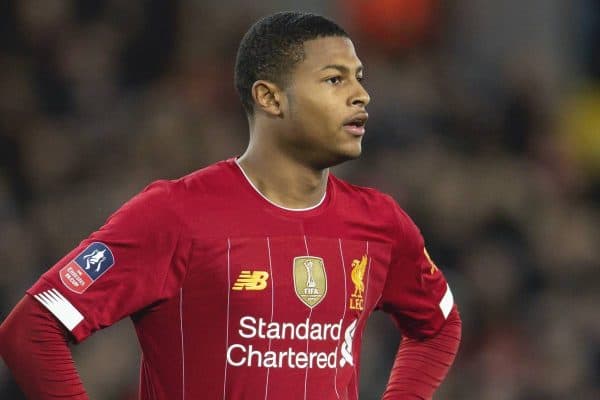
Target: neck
point(282, 179)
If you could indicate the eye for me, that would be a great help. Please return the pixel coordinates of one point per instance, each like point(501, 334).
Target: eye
point(334, 80)
point(360, 78)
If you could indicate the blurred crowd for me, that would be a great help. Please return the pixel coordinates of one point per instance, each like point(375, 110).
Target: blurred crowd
point(485, 126)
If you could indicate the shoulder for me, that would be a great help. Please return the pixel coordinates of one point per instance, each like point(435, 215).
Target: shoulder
point(170, 196)
point(215, 176)
point(379, 206)
point(362, 194)
point(203, 181)
point(384, 211)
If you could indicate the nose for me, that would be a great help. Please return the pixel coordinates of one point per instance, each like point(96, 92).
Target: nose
point(360, 96)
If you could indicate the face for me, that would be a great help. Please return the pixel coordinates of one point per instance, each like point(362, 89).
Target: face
point(325, 108)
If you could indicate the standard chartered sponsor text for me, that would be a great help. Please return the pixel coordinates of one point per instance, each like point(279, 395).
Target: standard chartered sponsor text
point(251, 328)
point(240, 355)
point(250, 355)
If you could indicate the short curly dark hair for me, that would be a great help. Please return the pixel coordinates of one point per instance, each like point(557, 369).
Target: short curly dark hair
point(273, 46)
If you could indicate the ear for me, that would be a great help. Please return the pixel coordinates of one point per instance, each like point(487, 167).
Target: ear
point(267, 97)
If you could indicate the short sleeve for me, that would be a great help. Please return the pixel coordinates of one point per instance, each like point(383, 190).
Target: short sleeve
point(416, 293)
point(136, 259)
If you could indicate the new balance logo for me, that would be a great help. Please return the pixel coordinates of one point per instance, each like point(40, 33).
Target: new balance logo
point(255, 280)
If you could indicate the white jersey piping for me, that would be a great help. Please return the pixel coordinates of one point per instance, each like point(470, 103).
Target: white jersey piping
point(182, 344)
point(272, 308)
point(227, 325)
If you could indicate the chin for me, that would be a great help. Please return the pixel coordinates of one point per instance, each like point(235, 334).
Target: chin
point(354, 155)
point(347, 155)
point(354, 152)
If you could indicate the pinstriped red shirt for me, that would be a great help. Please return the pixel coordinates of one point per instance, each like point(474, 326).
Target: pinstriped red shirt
point(234, 297)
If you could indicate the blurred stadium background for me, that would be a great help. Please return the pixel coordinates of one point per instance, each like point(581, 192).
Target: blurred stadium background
point(485, 126)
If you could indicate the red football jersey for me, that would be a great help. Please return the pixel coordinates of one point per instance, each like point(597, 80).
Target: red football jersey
point(234, 297)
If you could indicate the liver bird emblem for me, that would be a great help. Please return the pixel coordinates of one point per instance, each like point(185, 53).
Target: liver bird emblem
point(357, 275)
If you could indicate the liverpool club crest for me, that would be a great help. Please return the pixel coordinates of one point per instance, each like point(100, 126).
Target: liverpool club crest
point(357, 275)
point(310, 280)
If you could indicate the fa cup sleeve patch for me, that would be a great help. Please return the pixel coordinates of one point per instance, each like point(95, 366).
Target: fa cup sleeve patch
point(79, 274)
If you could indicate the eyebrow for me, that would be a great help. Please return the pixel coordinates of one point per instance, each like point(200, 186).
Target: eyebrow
point(342, 68)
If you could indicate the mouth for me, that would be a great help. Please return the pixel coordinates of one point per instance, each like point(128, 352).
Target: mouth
point(355, 125)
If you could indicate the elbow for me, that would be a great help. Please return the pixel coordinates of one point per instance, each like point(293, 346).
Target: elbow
point(454, 322)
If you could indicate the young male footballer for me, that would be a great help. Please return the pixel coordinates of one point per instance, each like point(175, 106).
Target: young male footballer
point(253, 278)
